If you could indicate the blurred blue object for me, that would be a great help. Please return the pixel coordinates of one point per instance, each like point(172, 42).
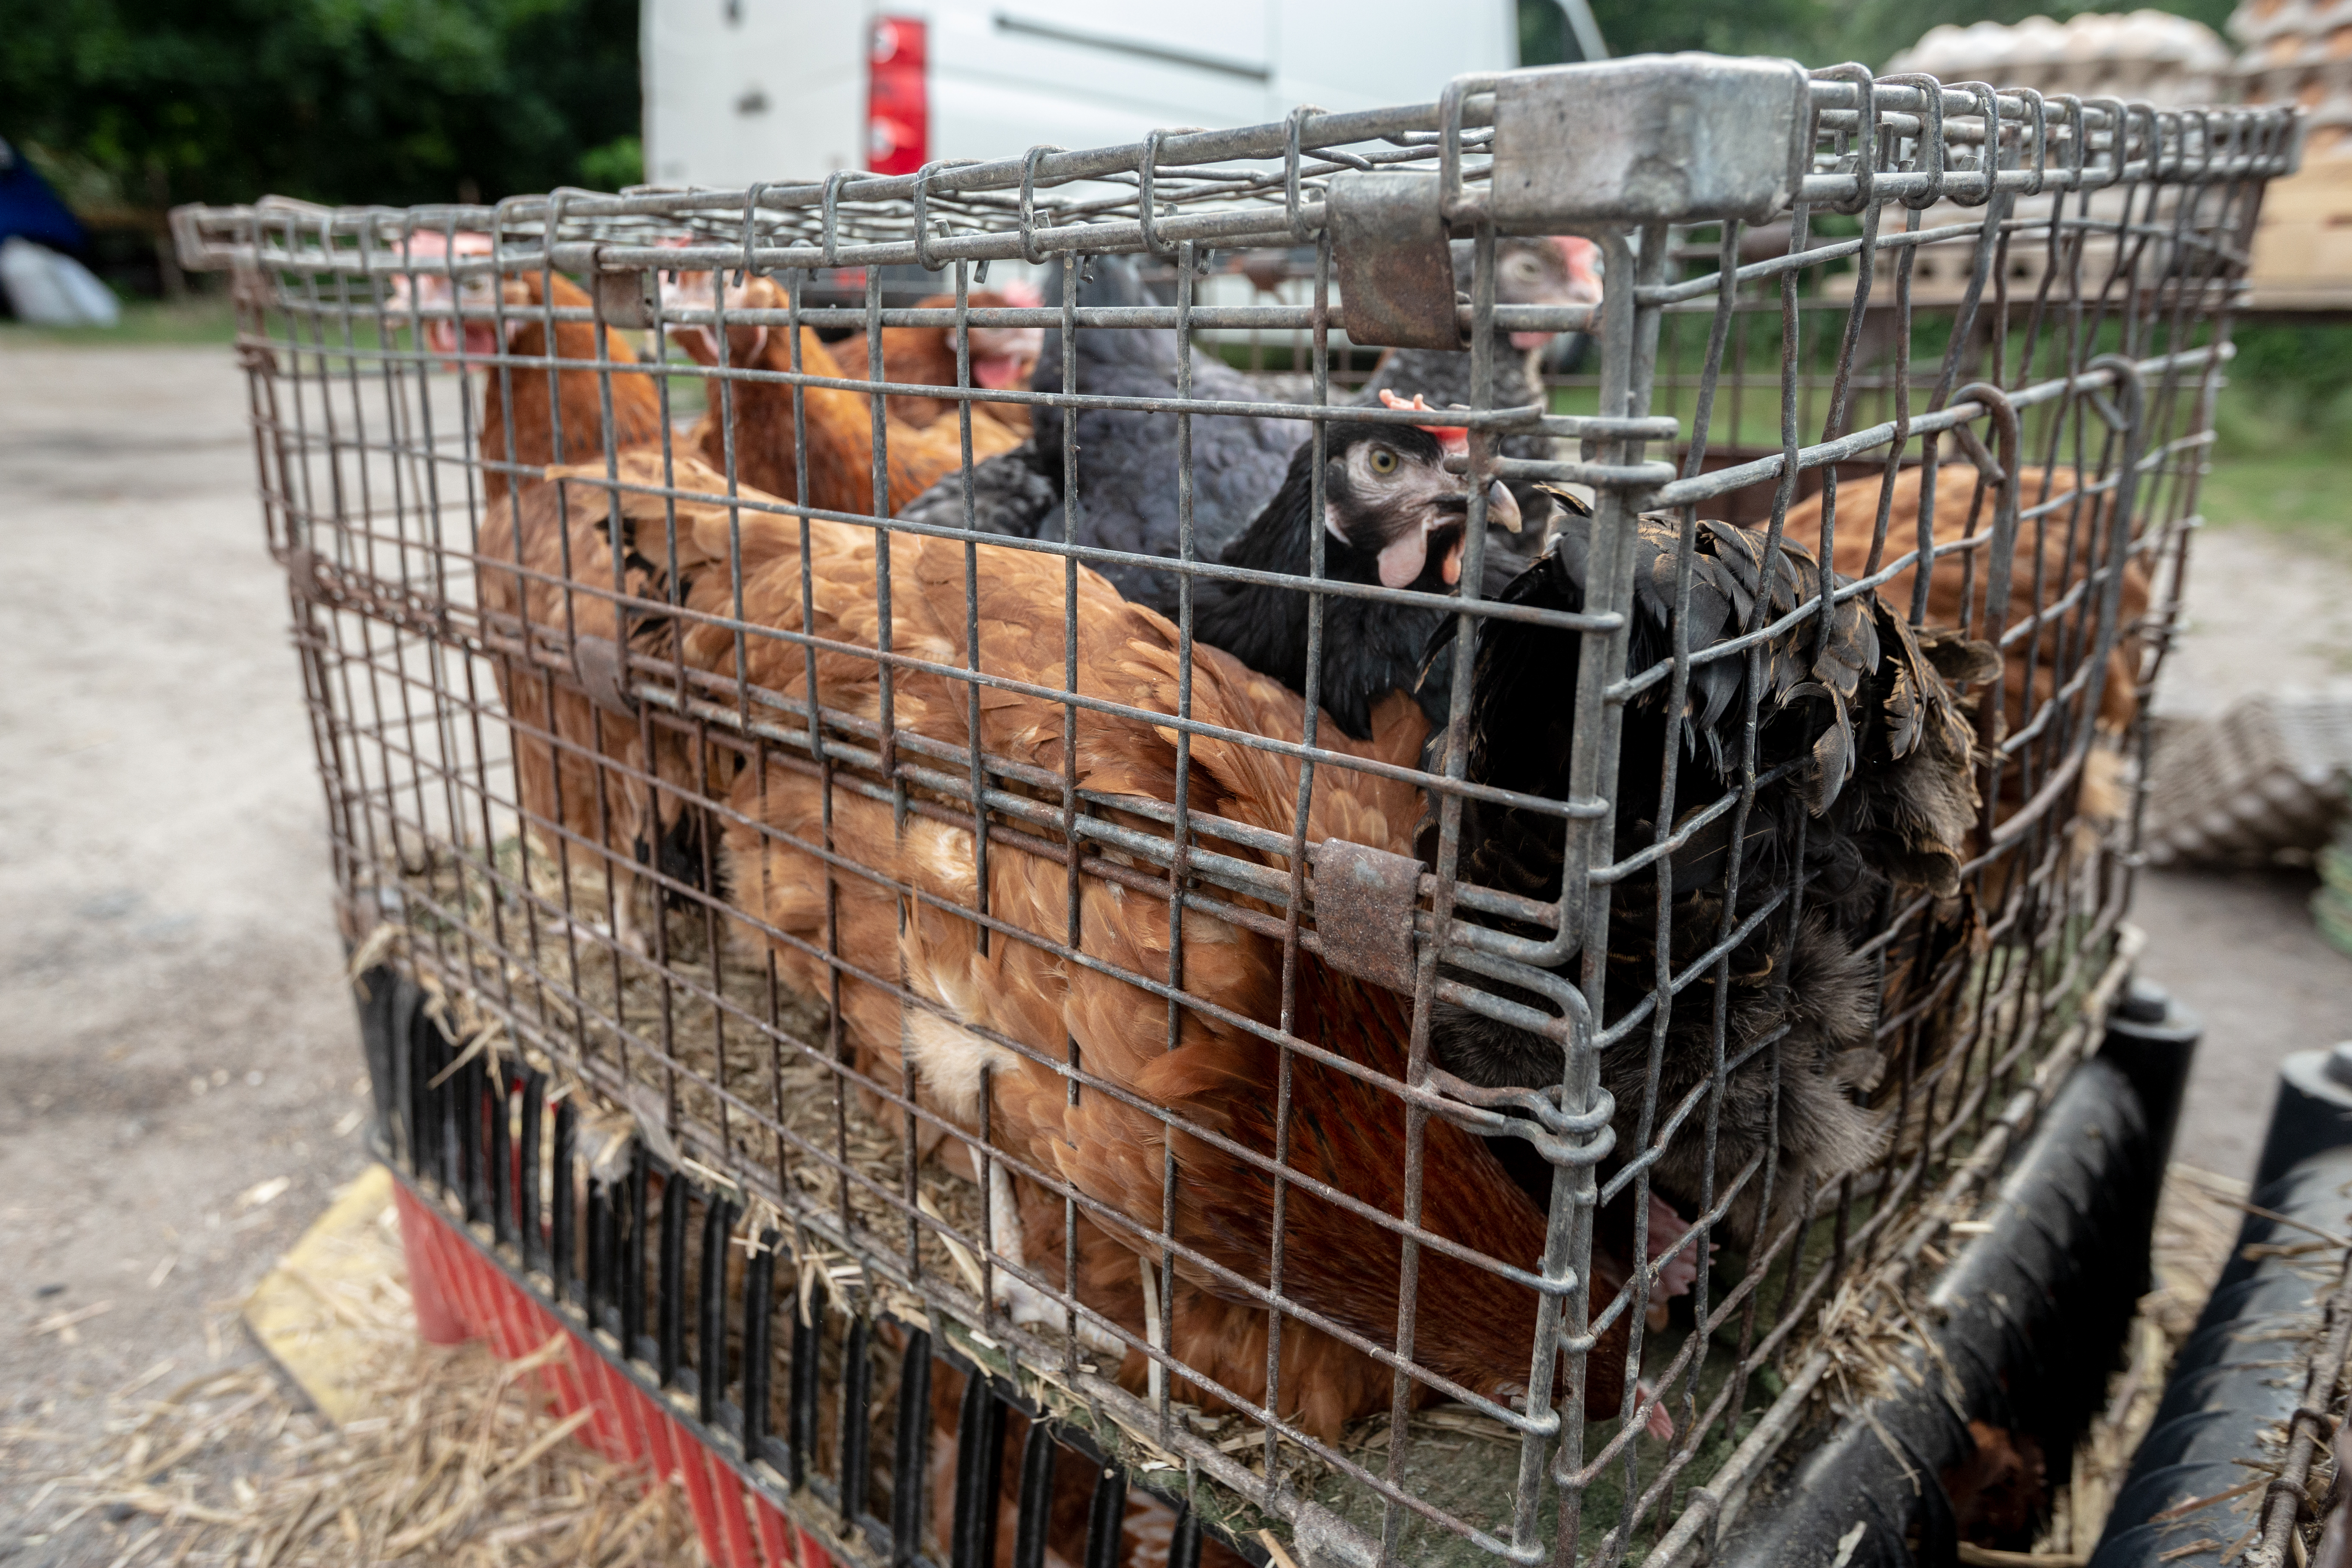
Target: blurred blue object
point(29, 209)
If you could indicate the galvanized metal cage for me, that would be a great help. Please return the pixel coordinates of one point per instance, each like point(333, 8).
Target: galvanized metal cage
point(836, 888)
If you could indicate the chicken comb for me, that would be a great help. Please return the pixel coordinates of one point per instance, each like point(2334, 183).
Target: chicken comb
point(1582, 256)
point(1453, 437)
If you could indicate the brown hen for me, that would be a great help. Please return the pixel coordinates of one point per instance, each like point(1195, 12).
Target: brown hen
point(840, 457)
point(1003, 358)
point(585, 778)
point(568, 426)
point(992, 1017)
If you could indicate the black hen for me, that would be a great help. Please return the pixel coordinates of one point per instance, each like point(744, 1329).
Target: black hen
point(1556, 271)
point(1393, 516)
point(1127, 458)
point(1863, 782)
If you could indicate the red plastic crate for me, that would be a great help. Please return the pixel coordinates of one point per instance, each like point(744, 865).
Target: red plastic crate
point(460, 1294)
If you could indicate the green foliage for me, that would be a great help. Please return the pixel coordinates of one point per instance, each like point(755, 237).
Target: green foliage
point(618, 162)
point(145, 101)
point(2295, 374)
point(2289, 487)
point(2281, 430)
point(1809, 30)
point(1544, 37)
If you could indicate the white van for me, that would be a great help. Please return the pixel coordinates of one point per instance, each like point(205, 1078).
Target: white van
point(738, 90)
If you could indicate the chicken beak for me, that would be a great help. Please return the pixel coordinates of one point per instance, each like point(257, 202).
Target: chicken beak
point(1502, 507)
point(1406, 556)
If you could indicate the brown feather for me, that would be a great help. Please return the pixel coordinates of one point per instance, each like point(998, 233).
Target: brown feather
point(578, 404)
point(840, 423)
point(1221, 1078)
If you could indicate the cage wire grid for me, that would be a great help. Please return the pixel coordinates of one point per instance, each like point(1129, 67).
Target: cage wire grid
point(2033, 344)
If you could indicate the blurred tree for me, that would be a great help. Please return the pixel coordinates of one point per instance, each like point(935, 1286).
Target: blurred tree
point(1544, 37)
point(150, 101)
point(618, 162)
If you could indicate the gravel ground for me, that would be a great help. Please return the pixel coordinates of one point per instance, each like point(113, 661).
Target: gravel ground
point(178, 1085)
point(179, 1093)
point(2265, 611)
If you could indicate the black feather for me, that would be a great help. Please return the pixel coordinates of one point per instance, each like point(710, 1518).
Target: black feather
point(1126, 458)
point(1370, 648)
point(1867, 794)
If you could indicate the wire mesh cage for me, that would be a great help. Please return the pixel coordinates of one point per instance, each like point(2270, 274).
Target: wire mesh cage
point(1410, 948)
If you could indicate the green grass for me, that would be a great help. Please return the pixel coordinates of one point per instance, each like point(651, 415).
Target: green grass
point(206, 319)
point(2304, 493)
point(2283, 462)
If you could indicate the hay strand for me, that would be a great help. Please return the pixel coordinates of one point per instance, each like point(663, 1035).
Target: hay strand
point(457, 1459)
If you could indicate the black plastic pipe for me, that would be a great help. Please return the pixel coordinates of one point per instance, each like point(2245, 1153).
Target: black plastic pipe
point(2028, 1319)
point(2185, 1502)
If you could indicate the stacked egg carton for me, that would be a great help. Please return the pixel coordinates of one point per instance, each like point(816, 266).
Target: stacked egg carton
point(2147, 56)
point(2262, 782)
point(2299, 52)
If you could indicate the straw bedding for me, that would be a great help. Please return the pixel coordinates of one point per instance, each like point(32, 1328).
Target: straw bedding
point(458, 1459)
point(709, 1060)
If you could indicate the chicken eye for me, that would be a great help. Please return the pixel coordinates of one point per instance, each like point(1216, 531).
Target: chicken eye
point(1384, 460)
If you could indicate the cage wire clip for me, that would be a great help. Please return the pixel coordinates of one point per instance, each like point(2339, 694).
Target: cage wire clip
point(1681, 138)
point(1364, 900)
point(625, 297)
point(1396, 270)
point(305, 575)
point(602, 674)
point(1656, 140)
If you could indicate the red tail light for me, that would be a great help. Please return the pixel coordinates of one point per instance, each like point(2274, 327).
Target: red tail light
point(898, 99)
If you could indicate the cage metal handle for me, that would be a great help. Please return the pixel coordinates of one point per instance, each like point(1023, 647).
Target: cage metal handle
point(1028, 210)
point(1453, 205)
point(829, 215)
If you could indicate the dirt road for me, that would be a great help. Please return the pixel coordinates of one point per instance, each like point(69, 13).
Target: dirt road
point(178, 1085)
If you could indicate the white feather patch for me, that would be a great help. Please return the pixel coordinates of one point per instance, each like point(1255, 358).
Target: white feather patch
point(950, 1060)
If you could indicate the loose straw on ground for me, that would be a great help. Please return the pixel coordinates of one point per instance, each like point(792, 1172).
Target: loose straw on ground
point(458, 1459)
